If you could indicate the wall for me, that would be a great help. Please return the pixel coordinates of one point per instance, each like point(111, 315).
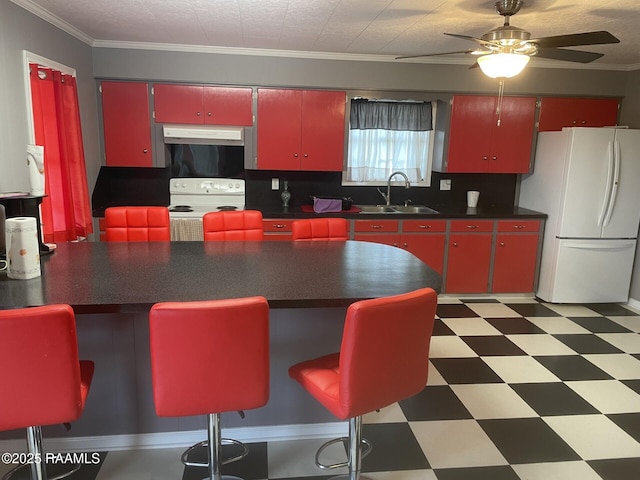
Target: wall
point(20, 30)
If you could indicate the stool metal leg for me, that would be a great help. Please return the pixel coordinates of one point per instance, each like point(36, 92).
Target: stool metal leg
point(355, 453)
point(34, 446)
point(214, 448)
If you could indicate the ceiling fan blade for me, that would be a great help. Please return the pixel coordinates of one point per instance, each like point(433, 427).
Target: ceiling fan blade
point(435, 54)
point(568, 55)
point(576, 39)
point(474, 39)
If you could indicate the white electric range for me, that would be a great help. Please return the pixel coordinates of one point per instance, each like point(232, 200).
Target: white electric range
point(193, 197)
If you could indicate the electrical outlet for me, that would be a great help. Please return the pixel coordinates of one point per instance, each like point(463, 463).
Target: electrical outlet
point(275, 184)
point(445, 184)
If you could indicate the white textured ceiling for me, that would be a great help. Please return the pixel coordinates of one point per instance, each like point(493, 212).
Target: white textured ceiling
point(368, 27)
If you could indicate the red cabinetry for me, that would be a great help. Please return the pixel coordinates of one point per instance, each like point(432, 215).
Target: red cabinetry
point(277, 229)
point(425, 239)
point(199, 104)
point(301, 129)
point(469, 256)
point(126, 124)
point(557, 113)
point(483, 140)
point(378, 231)
point(516, 254)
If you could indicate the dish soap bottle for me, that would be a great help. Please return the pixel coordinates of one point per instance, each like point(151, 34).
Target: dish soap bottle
point(285, 195)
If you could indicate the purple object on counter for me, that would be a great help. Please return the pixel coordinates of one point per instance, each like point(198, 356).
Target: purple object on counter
point(323, 205)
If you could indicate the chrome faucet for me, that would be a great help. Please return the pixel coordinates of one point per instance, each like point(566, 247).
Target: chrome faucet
point(387, 196)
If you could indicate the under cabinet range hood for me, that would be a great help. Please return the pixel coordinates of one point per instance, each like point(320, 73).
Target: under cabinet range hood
point(203, 135)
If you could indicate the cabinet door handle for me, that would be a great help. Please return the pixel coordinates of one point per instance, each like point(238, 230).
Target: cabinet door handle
point(306, 155)
point(472, 227)
point(376, 226)
point(519, 226)
point(424, 226)
point(209, 113)
point(485, 158)
point(395, 244)
point(279, 225)
point(405, 245)
point(494, 158)
point(145, 150)
point(502, 244)
point(198, 114)
point(455, 244)
point(295, 155)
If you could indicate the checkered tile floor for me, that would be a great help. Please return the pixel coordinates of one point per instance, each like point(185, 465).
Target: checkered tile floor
point(517, 390)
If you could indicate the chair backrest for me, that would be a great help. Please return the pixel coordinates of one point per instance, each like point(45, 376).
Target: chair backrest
point(233, 225)
point(320, 229)
point(137, 224)
point(209, 356)
point(384, 355)
point(40, 367)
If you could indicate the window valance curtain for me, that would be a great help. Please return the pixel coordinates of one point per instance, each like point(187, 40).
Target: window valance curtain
point(389, 115)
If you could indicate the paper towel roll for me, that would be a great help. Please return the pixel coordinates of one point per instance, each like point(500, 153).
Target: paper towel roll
point(23, 251)
point(35, 163)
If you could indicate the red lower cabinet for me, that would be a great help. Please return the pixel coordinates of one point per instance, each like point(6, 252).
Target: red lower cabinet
point(426, 240)
point(468, 263)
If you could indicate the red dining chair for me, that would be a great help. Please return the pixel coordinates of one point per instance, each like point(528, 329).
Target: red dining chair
point(243, 225)
point(384, 358)
point(137, 224)
point(207, 358)
point(320, 229)
point(44, 382)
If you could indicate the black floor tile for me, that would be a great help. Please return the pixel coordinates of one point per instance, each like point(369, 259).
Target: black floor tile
point(465, 370)
point(455, 311)
point(629, 422)
point(440, 328)
point(527, 440)
point(617, 469)
point(610, 309)
point(437, 402)
point(599, 325)
point(514, 325)
point(532, 310)
point(587, 343)
point(477, 473)
point(253, 467)
point(492, 345)
point(394, 448)
point(573, 367)
point(633, 384)
point(548, 399)
point(479, 300)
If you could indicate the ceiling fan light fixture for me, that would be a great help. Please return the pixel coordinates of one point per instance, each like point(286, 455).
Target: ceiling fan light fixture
point(502, 65)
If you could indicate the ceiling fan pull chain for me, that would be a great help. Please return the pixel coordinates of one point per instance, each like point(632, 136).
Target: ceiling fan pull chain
point(499, 103)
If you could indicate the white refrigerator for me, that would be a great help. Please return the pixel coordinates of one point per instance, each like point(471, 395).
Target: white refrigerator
point(587, 180)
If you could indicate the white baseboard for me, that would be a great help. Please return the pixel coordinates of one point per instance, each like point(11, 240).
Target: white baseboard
point(181, 439)
point(633, 303)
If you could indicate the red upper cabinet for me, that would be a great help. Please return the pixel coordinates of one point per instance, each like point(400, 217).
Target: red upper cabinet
point(557, 113)
point(126, 124)
point(198, 104)
point(483, 140)
point(301, 129)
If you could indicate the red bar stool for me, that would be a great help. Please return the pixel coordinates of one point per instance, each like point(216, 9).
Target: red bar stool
point(207, 358)
point(243, 225)
point(383, 359)
point(46, 383)
point(137, 224)
point(320, 229)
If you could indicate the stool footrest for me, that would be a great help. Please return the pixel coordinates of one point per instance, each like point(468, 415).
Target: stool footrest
point(204, 444)
point(345, 442)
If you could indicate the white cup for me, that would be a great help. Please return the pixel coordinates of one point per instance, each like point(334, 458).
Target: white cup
point(472, 198)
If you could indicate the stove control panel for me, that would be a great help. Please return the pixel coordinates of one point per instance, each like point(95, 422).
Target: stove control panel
point(206, 186)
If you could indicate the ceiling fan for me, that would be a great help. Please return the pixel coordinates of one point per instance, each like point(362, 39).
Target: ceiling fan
point(505, 51)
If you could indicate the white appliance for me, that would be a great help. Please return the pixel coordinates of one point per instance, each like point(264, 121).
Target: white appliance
point(587, 180)
point(193, 197)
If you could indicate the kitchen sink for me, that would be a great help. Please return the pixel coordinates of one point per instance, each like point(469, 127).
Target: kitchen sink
point(391, 209)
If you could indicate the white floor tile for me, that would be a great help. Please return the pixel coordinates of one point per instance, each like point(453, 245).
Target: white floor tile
point(572, 310)
point(541, 345)
point(492, 400)
point(449, 346)
point(391, 414)
point(608, 396)
point(471, 326)
point(456, 443)
point(507, 299)
point(402, 475)
point(434, 377)
point(149, 464)
point(632, 323)
point(557, 325)
point(520, 369)
point(297, 458)
point(627, 342)
point(493, 310)
point(620, 366)
point(445, 300)
point(556, 471)
point(594, 436)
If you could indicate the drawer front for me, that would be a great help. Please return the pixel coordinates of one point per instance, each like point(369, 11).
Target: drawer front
point(376, 225)
point(519, 226)
point(276, 225)
point(471, 226)
point(426, 225)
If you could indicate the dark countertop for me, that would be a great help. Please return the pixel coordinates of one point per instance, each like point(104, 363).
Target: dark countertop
point(443, 212)
point(114, 277)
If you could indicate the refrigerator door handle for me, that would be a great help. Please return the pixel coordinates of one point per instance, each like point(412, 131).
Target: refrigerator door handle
point(600, 244)
point(616, 182)
point(607, 194)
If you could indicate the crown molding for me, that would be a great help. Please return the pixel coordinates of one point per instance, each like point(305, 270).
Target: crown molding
point(54, 20)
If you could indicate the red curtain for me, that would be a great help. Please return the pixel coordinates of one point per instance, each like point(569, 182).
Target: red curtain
point(65, 210)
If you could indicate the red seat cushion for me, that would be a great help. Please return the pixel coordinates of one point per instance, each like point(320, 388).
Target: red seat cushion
point(44, 383)
point(137, 224)
point(320, 229)
point(384, 356)
point(244, 225)
point(209, 356)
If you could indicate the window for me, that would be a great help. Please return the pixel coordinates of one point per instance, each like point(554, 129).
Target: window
point(386, 136)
